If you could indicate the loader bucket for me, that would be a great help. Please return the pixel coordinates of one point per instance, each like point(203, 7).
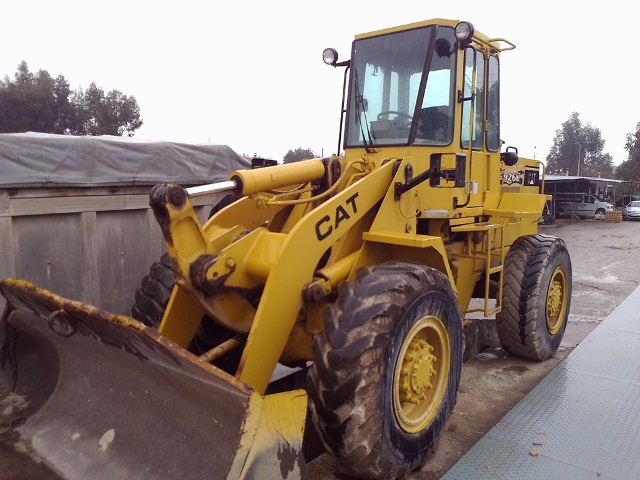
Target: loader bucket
point(89, 394)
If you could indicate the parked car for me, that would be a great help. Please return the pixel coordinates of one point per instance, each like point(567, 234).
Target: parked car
point(625, 199)
point(631, 211)
point(584, 205)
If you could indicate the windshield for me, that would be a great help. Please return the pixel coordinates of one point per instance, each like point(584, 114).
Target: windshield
point(634, 205)
point(392, 100)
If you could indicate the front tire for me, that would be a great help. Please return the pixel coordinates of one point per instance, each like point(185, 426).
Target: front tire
point(152, 297)
point(536, 297)
point(151, 301)
point(387, 369)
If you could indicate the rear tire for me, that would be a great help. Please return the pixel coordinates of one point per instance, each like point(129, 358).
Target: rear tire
point(536, 297)
point(151, 301)
point(387, 369)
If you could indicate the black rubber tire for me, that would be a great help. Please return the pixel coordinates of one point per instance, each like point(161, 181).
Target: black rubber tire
point(536, 297)
point(151, 301)
point(152, 297)
point(352, 382)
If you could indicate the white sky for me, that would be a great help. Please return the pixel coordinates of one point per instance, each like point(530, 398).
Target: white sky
point(249, 74)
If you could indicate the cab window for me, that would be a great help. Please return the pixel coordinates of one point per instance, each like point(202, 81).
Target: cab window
point(473, 104)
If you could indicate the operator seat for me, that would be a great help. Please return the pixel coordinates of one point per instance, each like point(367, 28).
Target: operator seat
point(434, 126)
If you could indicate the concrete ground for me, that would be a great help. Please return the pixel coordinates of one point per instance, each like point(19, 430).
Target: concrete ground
point(605, 263)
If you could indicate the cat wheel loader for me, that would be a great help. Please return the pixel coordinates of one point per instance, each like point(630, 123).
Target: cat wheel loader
point(359, 270)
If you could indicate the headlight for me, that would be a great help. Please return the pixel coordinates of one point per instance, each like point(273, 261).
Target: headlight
point(330, 56)
point(464, 33)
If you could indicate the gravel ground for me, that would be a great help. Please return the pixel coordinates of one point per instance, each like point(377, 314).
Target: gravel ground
point(605, 259)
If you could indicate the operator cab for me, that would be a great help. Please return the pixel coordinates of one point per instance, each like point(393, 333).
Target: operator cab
point(402, 89)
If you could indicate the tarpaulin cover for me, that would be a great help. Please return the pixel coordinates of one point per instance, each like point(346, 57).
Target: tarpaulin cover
point(47, 160)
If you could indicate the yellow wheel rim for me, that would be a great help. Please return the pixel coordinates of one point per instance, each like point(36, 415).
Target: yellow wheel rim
point(421, 373)
point(557, 300)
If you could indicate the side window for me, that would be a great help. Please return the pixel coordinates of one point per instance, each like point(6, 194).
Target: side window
point(474, 99)
point(469, 62)
point(493, 104)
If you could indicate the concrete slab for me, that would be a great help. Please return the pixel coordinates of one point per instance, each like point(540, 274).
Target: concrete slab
point(581, 421)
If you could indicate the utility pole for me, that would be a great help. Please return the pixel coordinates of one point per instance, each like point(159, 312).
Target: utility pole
point(579, 152)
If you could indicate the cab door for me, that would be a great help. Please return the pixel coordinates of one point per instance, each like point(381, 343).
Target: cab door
point(588, 206)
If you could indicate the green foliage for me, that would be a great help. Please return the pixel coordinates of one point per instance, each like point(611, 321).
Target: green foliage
point(630, 168)
point(38, 103)
point(298, 154)
point(577, 149)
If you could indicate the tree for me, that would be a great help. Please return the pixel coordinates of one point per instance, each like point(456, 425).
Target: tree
point(25, 103)
point(299, 154)
point(110, 114)
point(38, 103)
point(577, 149)
point(630, 168)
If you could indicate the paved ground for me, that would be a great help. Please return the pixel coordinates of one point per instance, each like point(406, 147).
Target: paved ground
point(605, 271)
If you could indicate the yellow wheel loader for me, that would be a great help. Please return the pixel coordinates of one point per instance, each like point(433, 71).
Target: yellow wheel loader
point(358, 271)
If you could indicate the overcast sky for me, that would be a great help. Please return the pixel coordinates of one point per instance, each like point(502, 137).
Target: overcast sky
point(249, 74)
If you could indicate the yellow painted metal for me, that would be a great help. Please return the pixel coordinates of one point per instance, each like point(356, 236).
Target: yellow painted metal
point(327, 279)
point(433, 255)
point(285, 238)
point(181, 317)
point(421, 374)
point(280, 176)
point(263, 253)
point(491, 44)
point(435, 21)
point(309, 239)
point(489, 248)
point(557, 300)
point(221, 349)
point(519, 205)
point(299, 343)
point(408, 240)
point(271, 443)
point(420, 245)
point(230, 309)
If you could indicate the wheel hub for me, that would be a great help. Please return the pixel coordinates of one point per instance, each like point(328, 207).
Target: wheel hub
point(420, 374)
point(417, 371)
point(556, 301)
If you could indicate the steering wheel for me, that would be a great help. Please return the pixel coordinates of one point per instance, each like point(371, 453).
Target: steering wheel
point(396, 113)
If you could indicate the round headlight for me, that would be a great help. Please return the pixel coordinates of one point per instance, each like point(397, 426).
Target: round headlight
point(330, 56)
point(464, 33)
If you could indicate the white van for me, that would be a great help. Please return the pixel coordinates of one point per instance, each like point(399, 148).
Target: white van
point(584, 205)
